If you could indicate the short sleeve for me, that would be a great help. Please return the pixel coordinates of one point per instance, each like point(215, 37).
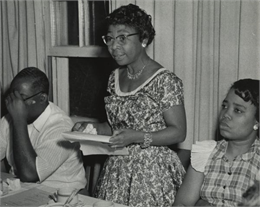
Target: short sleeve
point(4, 135)
point(52, 144)
point(111, 82)
point(200, 153)
point(46, 151)
point(172, 90)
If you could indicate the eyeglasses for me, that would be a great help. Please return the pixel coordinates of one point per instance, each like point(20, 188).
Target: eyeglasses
point(32, 96)
point(121, 39)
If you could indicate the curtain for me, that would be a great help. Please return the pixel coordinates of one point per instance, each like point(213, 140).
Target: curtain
point(209, 44)
point(22, 38)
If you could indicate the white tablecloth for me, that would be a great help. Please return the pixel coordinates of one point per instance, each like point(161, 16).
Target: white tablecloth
point(32, 194)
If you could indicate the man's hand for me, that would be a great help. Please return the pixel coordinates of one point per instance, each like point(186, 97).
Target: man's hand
point(101, 128)
point(16, 106)
point(81, 126)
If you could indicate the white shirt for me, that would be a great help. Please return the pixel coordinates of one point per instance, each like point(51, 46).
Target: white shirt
point(58, 162)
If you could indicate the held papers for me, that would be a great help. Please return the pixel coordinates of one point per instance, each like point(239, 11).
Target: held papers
point(93, 144)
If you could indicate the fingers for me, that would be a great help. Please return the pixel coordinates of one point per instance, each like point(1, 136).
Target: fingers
point(14, 102)
point(117, 140)
point(113, 146)
point(115, 134)
point(76, 127)
point(7, 101)
point(116, 147)
point(13, 97)
point(79, 126)
point(17, 94)
point(9, 98)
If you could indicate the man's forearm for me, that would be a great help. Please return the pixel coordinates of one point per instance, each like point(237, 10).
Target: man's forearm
point(24, 154)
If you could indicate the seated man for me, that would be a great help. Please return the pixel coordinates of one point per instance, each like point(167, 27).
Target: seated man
point(31, 135)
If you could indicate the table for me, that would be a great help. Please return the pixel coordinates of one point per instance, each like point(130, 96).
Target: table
point(33, 194)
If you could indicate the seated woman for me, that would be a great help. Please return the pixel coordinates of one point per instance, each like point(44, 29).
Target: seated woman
point(222, 171)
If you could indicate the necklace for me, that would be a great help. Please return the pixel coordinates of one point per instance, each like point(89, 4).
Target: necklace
point(135, 75)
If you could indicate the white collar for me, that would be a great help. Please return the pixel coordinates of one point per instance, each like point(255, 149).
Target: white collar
point(117, 86)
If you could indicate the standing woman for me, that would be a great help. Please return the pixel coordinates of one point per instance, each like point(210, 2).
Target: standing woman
point(145, 111)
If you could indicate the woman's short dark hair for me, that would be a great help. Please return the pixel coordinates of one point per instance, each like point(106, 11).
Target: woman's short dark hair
point(38, 77)
point(248, 90)
point(133, 16)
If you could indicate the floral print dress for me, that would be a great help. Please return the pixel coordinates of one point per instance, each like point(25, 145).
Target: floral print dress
point(150, 176)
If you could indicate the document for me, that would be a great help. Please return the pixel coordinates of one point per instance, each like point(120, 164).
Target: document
point(31, 197)
point(98, 148)
point(81, 136)
point(92, 144)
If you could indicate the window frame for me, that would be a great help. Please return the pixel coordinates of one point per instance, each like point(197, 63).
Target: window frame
point(58, 56)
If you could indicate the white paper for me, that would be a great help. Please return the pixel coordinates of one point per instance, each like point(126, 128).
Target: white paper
point(98, 148)
point(94, 144)
point(81, 136)
point(32, 197)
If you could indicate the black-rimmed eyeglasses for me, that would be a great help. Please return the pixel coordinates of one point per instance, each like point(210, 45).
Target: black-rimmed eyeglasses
point(32, 96)
point(121, 39)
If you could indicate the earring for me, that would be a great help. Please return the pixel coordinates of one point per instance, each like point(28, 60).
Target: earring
point(143, 44)
point(255, 127)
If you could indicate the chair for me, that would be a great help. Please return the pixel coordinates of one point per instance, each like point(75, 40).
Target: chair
point(183, 154)
point(93, 165)
point(5, 167)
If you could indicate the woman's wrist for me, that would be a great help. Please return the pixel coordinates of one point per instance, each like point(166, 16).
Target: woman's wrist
point(137, 137)
point(148, 139)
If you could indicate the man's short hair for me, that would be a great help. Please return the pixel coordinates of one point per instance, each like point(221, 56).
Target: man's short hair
point(38, 77)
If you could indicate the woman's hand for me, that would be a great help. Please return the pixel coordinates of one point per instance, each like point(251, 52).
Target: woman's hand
point(124, 137)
